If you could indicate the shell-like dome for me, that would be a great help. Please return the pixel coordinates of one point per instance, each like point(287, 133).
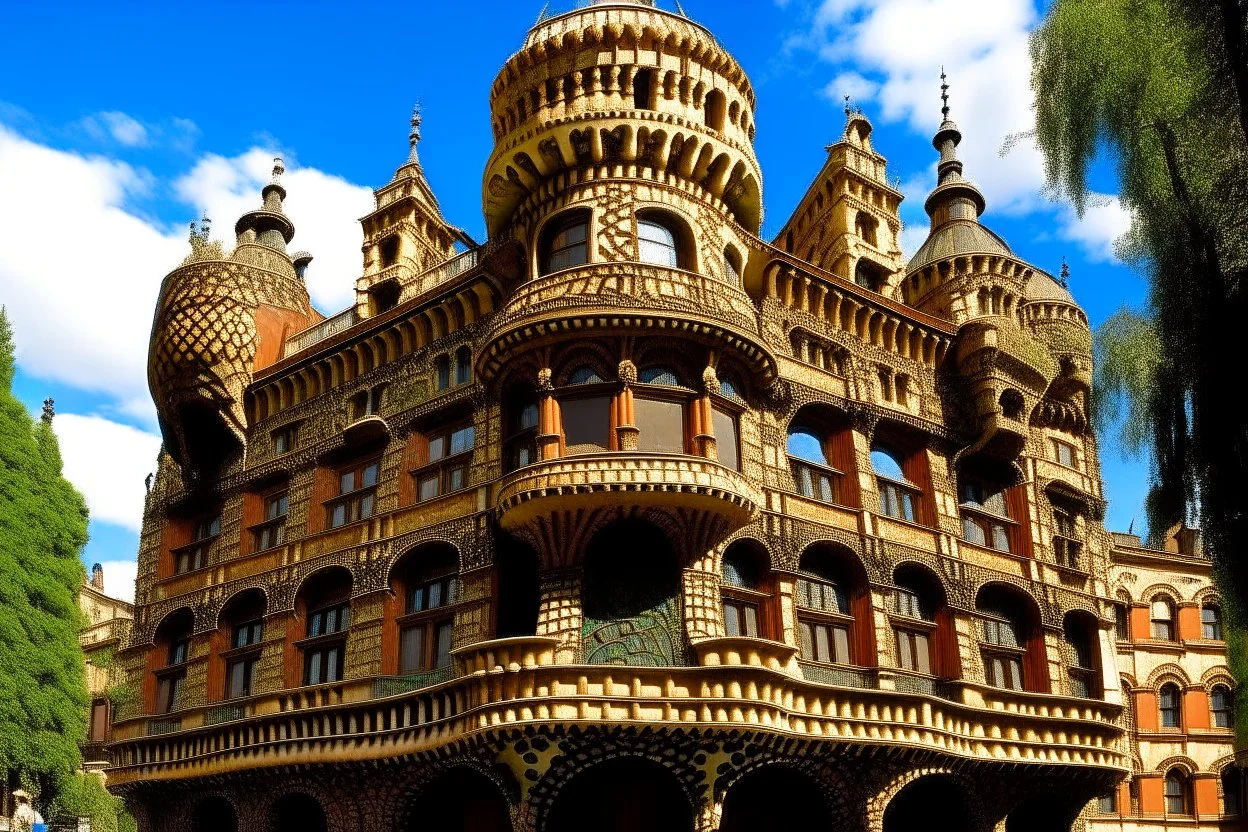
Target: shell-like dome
point(956, 238)
point(1042, 286)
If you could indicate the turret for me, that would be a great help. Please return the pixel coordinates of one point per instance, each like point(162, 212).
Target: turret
point(847, 222)
point(219, 320)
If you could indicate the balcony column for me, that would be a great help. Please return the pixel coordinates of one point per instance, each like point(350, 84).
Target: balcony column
point(703, 425)
point(626, 431)
point(549, 420)
point(559, 612)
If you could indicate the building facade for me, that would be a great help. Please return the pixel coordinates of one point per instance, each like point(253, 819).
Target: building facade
point(106, 626)
point(626, 518)
point(1172, 657)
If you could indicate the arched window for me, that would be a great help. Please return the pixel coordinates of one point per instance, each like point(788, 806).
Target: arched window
point(385, 296)
point(1080, 632)
point(660, 413)
point(656, 241)
point(1169, 702)
point(585, 375)
point(865, 227)
point(732, 265)
point(427, 584)
point(833, 607)
point(1222, 705)
point(389, 250)
point(729, 390)
point(914, 620)
point(242, 623)
point(1067, 544)
point(171, 647)
point(821, 456)
point(442, 371)
point(1010, 640)
point(716, 109)
point(987, 519)
point(324, 602)
point(899, 496)
point(1232, 800)
point(463, 365)
point(1211, 622)
point(869, 276)
point(1122, 617)
point(745, 590)
point(565, 242)
point(1162, 615)
point(643, 89)
point(1178, 792)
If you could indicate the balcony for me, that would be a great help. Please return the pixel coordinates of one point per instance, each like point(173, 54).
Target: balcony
point(741, 684)
point(632, 298)
point(613, 479)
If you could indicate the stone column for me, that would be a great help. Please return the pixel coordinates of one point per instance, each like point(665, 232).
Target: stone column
point(703, 424)
point(549, 420)
point(559, 612)
point(626, 430)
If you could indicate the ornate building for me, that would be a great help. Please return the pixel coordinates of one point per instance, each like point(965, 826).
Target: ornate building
point(626, 519)
point(106, 625)
point(1178, 690)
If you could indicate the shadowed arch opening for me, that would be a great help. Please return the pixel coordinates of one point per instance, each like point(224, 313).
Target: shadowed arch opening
point(298, 812)
point(933, 803)
point(459, 800)
point(626, 794)
point(324, 605)
point(424, 586)
point(166, 662)
point(631, 597)
point(214, 814)
point(923, 625)
point(519, 595)
point(747, 586)
point(1043, 813)
point(775, 799)
point(1081, 635)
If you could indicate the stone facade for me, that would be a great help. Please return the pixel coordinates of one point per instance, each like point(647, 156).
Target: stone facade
point(627, 518)
point(106, 627)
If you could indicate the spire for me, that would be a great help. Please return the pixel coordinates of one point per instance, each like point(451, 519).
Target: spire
point(269, 224)
point(49, 411)
point(413, 138)
point(953, 197)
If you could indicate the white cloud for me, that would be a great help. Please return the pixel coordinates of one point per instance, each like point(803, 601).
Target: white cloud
point(324, 208)
point(1104, 221)
point(859, 88)
point(107, 462)
point(79, 273)
point(901, 45)
point(125, 129)
point(119, 578)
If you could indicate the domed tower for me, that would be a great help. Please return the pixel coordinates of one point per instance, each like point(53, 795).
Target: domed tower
point(1006, 310)
point(218, 320)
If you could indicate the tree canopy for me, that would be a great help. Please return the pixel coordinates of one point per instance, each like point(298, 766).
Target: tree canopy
point(43, 527)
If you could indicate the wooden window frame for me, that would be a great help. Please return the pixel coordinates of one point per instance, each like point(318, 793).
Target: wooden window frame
point(607, 390)
point(444, 467)
point(1176, 709)
point(1225, 713)
point(1215, 626)
point(273, 528)
point(741, 599)
point(1156, 624)
point(204, 532)
point(660, 220)
point(1058, 445)
point(285, 439)
point(812, 616)
point(555, 229)
point(318, 647)
point(94, 721)
point(1184, 796)
point(171, 679)
point(354, 500)
point(430, 620)
point(992, 649)
point(463, 368)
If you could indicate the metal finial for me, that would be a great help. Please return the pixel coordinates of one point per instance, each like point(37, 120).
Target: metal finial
point(542, 14)
point(278, 169)
point(944, 95)
point(1065, 278)
point(848, 110)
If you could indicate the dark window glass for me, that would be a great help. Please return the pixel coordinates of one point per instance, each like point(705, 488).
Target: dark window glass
point(585, 375)
point(823, 642)
point(357, 489)
point(914, 651)
point(662, 376)
point(285, 439)
point(271, 531)
point(1122, 623)
point(586, 424)
point(1107, 804)
point(427, 627)
point(450, 455)
point(1169, 703)
point(569, 246)
point(985, 514)
point(1176, 794)
point(194, 555)
point(1222, 705)
point(662, 425)
point(1211, 623)
point(463, 365)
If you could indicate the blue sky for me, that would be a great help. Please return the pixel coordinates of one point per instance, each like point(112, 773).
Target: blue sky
point(120, 123)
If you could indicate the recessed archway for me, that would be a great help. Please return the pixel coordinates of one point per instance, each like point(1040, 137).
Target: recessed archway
point(458, 800)
point(933, 803)
point(298, 812)
point(775, 799)
point(625, 794)
point(214, 814)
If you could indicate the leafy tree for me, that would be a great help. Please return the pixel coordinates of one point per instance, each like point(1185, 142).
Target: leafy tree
point(1162, 85)
point(43, 526)
point(83, 796)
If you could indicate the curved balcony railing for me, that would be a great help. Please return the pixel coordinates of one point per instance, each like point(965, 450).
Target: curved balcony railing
point(628, 295)
point(740, 684)
point(629, 478)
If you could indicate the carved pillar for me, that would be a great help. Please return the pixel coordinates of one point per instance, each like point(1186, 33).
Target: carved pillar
point(707, 817)
point(549, 420)
point(703, 424)
point(626, 430)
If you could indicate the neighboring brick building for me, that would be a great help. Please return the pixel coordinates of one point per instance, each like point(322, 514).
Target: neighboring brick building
point(106, 624)
point(626, 519)
point(1172, 657)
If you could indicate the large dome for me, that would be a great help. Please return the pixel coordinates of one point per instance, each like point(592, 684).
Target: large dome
point(956, 238)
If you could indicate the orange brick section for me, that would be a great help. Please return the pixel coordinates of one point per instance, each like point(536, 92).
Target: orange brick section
point(1205, 791)
point(1195, 709)
point(1140, 625)
point(1146, 710)
point(1152, 794)
point(1189, 622)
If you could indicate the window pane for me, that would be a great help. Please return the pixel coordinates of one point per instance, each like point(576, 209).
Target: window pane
point(972, 531)
point(751, 620)
point(886, 464)
point(1000, 538)
point(586, 424)
point(840, 639)
point(823, 647)
point(366, 506)
point(806, 445)
point(443, 656)
point(429, 487)
point(333, 668)
point(463, 439)
point(313, 673)
point(803, 479)
point(346, 482)
point(411, 649)
point(457, 477)
point(907, 507)
point(725, 425)
point(732, 619)
point(905, 658)
point(656, 244)
point(662, 425)
point(806, 640)
point(370, 475)
point(922, 653)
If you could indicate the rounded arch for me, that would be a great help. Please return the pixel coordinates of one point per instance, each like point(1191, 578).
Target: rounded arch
point(1168, 672)
point(1082, 653)
point(1049, 812)
point(745, 563)
point(298, 812)
point(1178, 762)
point(622, 794)
point(176, 621)
point(746, 590)
point(1011, 637)
point(587, 354)
point(324, 579)
point(214, 813)
point(437, 555)
point(833, 582)
point(563, 240)
point(775, 798)
point(1220, 675)
point(936, 802)
point(459, 799)
point(1168, 591)
point(822, 459)
point(245, 604)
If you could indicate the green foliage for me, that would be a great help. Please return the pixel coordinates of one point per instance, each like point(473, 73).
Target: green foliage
point(43, 527)
point(1160, 86)
point(83, 795)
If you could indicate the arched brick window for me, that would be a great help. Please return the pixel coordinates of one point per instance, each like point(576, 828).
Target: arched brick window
point(746, 590)
point(834, 619)
point(1011, 639)
point(565, 242)
point(1161, 613)
point(1170, 704)
point(1178, 792)
point(1222, 706)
